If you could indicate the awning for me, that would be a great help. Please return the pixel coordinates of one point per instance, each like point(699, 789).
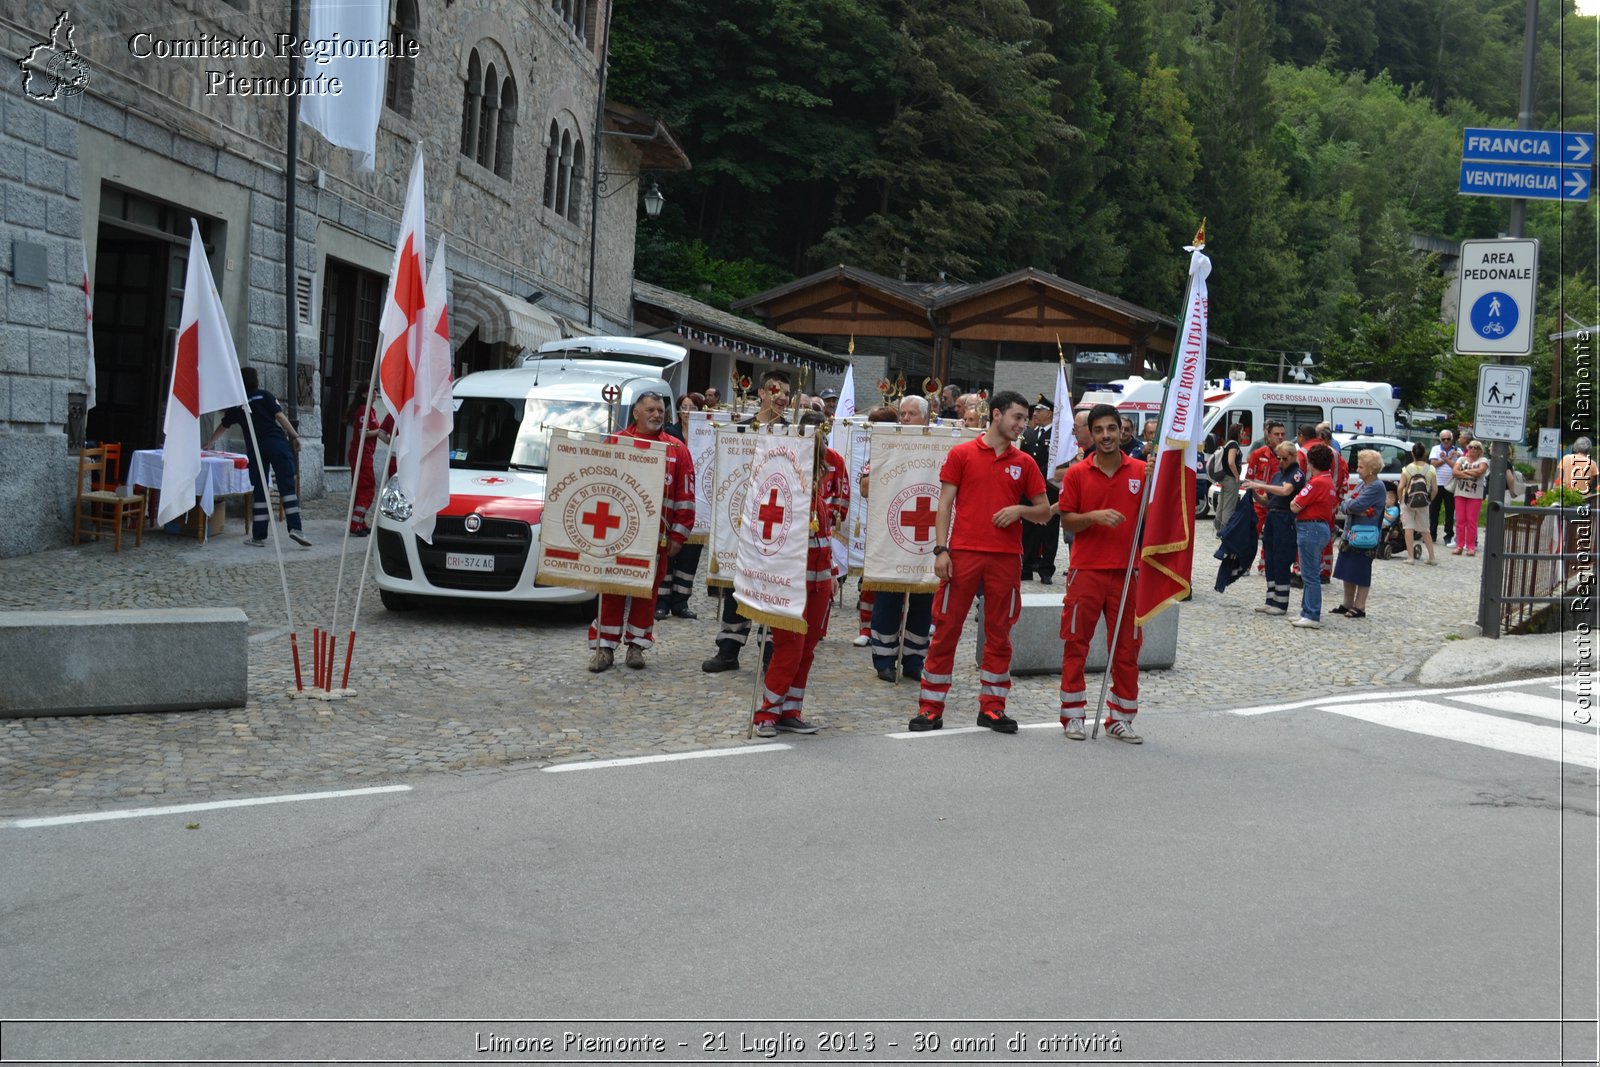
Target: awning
point(499, 317)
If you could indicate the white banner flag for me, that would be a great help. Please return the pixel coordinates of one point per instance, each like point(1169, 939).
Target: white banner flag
point(769, 578)
point(602, 513)
point(348, 117)
point(700, 435)
point(730, 481)
point(905, 500)
point(848, 542)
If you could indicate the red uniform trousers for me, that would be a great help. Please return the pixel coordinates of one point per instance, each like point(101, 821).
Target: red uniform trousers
point(999, 575)
point(1091, 595)
point(784, 689)
point(865, 598)
point(627, 620)
point(366, 489)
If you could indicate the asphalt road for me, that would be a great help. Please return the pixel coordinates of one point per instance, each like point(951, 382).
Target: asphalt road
point(1318, 883)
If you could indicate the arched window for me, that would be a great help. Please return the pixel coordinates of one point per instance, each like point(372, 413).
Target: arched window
point(579, 15)
point(552, 164)
point(575, 183)
point(470, 106)
point(506, 134)
point(397, 84)
point(488, 118)
point(564, 177)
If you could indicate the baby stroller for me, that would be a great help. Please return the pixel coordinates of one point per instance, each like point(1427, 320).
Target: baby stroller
point(1392, 538)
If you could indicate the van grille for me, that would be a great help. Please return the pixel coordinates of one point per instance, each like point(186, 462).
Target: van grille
point(507, 540)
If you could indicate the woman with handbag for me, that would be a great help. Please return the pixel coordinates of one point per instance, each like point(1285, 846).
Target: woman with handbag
point(1363, 512)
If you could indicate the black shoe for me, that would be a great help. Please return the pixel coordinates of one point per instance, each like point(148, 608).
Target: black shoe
point(1295, 582)
point(716, 665)
point(684, 611)
point(1027, 576)
point(1044, 579)
point(662, 611)
point(911, 674)
point(1340, 610)
point(887, 674)
point(1000, 724)
point(923, 723)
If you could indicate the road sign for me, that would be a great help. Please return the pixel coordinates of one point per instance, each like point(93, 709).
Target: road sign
point(1549, 442)
point(1527, 180)
point(1548, 147)
point(1498, 282)
point(1502, 413)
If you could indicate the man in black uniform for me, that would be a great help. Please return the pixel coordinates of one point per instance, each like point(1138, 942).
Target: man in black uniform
point(1039, 540)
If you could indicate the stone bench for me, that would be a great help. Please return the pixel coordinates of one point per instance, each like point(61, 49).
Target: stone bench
point(1036, 638)
point(94, 662)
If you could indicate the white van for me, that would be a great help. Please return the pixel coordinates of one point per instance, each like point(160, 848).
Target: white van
point(1352, 407)
point(485, 540)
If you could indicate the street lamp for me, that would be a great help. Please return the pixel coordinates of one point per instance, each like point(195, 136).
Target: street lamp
point(654, 201)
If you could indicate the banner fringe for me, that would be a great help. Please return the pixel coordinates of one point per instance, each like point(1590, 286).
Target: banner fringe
point(898, 587)
point(769, 619)
point(697, 539)
point(609, 588)
point(718, 583)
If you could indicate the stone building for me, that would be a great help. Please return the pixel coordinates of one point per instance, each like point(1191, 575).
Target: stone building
point(133, 118)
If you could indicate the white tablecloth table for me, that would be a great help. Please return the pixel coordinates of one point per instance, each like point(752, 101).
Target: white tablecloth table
point(220, 474)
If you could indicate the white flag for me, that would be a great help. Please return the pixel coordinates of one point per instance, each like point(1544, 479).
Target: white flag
point(205, 377)
point(350, 119)
point(401, 330)
point(1063, 442)
point(88, 329)
point(425, 462)
point(844, 409)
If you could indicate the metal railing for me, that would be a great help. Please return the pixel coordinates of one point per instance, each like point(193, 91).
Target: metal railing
point(1536, 556)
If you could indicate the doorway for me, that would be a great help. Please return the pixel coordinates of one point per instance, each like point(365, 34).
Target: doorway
point(350, 307)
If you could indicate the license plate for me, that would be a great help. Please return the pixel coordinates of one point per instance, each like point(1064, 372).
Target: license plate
point(454, 561)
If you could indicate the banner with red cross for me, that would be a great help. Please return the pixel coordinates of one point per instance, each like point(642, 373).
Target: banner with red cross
point(601, 527)
point(700, 434)
point(902, 504)
point(729, 482)
point(774, 543)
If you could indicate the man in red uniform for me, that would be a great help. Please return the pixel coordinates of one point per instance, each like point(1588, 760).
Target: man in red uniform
point(1100, 505)
point(366, 429)
point(983, 481)
point(631, 620)
point(784, 688)
point(1262, 466)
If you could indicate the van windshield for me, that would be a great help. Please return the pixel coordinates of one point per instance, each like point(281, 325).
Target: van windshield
point(501, 433)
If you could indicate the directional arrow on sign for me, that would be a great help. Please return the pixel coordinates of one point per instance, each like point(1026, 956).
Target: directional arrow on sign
point(1578, 147)
point(1577, 185)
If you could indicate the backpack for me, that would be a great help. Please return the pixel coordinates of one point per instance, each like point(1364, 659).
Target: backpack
point(1216, 465)
point(1417, 495)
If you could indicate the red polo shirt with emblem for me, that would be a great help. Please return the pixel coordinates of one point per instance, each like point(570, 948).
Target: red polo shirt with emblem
point(1085, 488)
point(1317, 499)
point(985, 483)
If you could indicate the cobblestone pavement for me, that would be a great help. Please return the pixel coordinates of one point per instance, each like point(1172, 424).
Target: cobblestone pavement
point(464, 689)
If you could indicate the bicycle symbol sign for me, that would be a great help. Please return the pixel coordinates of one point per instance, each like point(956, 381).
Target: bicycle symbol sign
point(1494, 314)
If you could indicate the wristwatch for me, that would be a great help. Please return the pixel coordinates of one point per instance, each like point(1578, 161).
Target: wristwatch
point(940, 550)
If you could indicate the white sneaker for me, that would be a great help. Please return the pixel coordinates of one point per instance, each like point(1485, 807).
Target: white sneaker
point(1268, 609)
point(1123, 731)
point(1073, 729)
point(253, 543)
point(861, 641)
point(299, 538)
point(1307, 624)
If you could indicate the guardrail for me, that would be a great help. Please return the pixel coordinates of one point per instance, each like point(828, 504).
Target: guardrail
point(1536, 556)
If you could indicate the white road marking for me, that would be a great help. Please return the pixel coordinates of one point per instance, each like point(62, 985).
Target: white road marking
point(1317, 702)
point(1551, 708)
point(1472, 728)
point(667, 757)
point(212, 805)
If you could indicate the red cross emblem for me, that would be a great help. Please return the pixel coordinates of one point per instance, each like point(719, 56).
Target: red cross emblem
point(600, 521)
point(919, 519)
point(769, 514)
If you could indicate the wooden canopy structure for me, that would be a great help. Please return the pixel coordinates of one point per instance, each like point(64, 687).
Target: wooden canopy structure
point(1026, 306)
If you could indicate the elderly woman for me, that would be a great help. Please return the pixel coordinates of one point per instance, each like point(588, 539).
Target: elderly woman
point(1577, 469)
point(1470, 482)
point(1277, 530)
point(1363, 507)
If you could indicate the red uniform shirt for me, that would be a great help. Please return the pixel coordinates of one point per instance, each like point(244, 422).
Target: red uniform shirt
point(1088, 488)
point(365, 420)
point(985, 483)
point(677, 500)
point(1317, 499)
point(1263, 464)
point(830, 503)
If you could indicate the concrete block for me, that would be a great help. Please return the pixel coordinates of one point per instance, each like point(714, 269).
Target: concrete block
point(1036, 639)
point(201, 157)
point(66, 307)
point(12, 156)
point(146, 134)
point(47, 355)
point(64, 217)
point(61, 135)
point(103, 116)
point(24, 207)
point(96, 662)
point(30, 400)
point(25, 119)
point(74, 182)
point(29, 306)
point(35, 480)
point(266, 212)
point(265, 274)
point(45, 171)
point(14, 350)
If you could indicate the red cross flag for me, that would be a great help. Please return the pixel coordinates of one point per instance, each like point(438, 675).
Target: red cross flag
point(402, 328)
point(1167, 550)
point(902, 504)
point(774, 537)
point(422, 456)
point(205, 377)
point(601, 528)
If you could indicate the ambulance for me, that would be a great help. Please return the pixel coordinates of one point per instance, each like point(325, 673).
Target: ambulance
point(485, 541)
point(1352, 407)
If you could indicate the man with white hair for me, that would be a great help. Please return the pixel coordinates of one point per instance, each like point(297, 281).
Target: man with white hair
point(914, 410)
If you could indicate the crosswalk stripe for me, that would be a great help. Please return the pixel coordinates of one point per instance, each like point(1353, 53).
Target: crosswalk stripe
point(1565, 712)
point(1472, 728)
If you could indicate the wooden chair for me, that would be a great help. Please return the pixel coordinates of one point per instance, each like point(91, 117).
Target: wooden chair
point(113, 475)
point(100, 508)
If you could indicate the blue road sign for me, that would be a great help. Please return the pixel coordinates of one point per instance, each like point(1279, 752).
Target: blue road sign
point(1493, 315)
point(1556, 148)
point(1531, 181)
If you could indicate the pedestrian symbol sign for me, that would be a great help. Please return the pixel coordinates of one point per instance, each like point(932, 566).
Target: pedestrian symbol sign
point(1498, 282)
point(1502, 402)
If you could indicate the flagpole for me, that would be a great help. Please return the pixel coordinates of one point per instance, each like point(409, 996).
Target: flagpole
point(1144, 504)
point(350, 508)
point(277, 544)
point(361, 583)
